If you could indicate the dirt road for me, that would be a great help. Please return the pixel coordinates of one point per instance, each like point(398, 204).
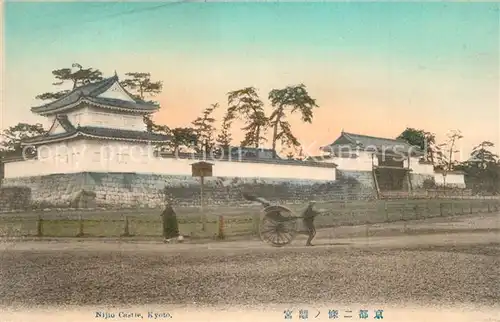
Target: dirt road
point(399, 272)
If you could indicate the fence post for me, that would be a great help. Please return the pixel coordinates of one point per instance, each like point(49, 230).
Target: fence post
point(39, 230)
point(80, 226)
point(220, 234)
point(470, 206)
point(489, 207)
point(126, 231)
point(440, 208)
point(386, 211)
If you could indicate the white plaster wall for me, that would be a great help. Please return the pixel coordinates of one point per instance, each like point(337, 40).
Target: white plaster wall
point(76, 117)
point(57, 128)
point(63, 153)
point(100, 118)
point(362, 163)
point(420, 168)
point(85, 155)
point(48, 121)
point(89, 116)
point(117, 156)
point(452, 179)
point(64, 157)
point(36, 168)
point(116, 92)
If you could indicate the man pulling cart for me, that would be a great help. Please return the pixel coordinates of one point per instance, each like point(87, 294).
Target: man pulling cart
point(279, 225)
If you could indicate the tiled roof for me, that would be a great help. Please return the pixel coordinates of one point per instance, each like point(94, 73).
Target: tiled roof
point(11, 154)
point(246, 148)
point(89, 93)
point(367, 142)
point(99, 132)
point(123, 134)
point(257, 152)
point(48, 137)
point(65, 123)
point(202, 156)
point(448, 172)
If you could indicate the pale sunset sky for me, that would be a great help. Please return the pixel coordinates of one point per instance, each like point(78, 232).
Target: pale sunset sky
point(374, 68)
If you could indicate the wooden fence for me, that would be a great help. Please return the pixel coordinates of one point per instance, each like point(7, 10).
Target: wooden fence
point(246, 222)
point(450, 193)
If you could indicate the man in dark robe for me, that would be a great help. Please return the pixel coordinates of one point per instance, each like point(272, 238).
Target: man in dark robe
point(170, 225)
point(309, 215)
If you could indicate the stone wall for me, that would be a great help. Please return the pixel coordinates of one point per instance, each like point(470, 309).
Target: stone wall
point(422, 181)
point(368, 189)
point(14, 198)
point(364, 184)
point(2, 169)
point(141, 190)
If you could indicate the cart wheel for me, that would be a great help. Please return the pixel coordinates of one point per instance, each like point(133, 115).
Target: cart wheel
point(277, 226)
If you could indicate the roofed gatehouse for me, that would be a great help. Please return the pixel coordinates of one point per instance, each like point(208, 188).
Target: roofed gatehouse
point(350, 143)
point(392, 165)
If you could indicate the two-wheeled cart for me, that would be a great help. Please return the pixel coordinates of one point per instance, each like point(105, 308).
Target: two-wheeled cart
point(279, 225)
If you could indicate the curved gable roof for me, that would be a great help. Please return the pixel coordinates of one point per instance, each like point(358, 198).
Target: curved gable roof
point(90, 93)
point(93, 132)
point(370, 142)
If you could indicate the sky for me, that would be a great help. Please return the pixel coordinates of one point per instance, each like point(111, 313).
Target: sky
point(374, 68)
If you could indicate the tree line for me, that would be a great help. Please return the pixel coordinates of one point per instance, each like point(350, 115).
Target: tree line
point(482, 169)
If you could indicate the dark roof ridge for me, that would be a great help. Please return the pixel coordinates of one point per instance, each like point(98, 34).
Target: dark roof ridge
point(103, 132)
point(366, 141)
point(99, 83)
point(78, 89)
point(65, 122)
point(91, 92)
point(105, 85)
point(116, 100)
point(101, 89)
point(373, 137)
point(251, 148)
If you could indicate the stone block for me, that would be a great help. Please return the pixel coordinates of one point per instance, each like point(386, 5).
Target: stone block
point(15, 198)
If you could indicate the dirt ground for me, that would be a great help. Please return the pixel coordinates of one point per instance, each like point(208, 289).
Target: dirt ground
point(400, 271)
